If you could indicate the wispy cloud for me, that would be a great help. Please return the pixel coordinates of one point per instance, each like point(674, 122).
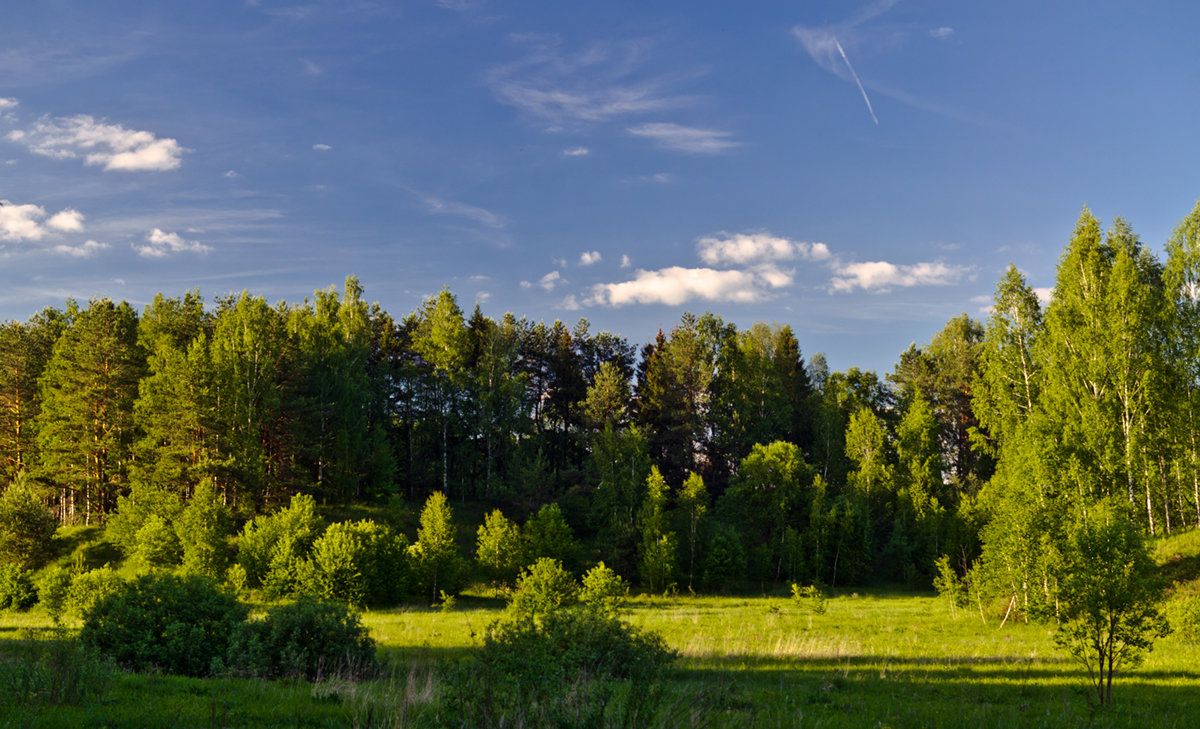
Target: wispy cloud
point(548, 282)
point(441, 206)
point(160, 244)
point(322, 147)
point(587, 258)
point(942, 33)
point(625, 261)
point(601, 82)
point(681, 138)
point(87, 249)
point(110, 146)
point(857, 80)
point(576, 152)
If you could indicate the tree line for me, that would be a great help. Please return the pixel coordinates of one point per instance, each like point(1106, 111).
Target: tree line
point(711, 455)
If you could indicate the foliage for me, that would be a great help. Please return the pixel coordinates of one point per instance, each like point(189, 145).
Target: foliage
point(547, 534)
point(362, 563)
point(949, 585)
point(157, 544)
point(1110, 599)
point(16, 588)
point(572, 668)
point(204, 528)
point(603, 589)
point(164, 622)
point(305, 639)
point(499, 549)
point(56, 672)
point(272, 547)
point(26, 528)
point(53, 591)
point(436, 563)
point(812, 597)
point(543, 588)
point(1185, 618)
point(89, 588)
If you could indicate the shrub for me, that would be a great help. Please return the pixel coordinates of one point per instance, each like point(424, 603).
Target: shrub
point(26, 527)
point(362, 563)
point(566, 669)
point(204, 528)
point(54, 672)
point(543, 588)
point(547, 534)
point(435, 561)
point(88, 588)
point(811, 597)
point(603, 589)
point(53, 587)
point(16, 588)
point(304, 639)
point(271, 546)
point(1185, 618)
point(134, 510)
point(157, 544)
point(167, 622)
point(498, 549)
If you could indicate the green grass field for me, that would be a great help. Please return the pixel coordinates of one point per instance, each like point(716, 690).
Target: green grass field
point(894, 660)
point(879, 659)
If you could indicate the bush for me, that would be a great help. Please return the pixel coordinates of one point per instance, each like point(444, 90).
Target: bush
point(547, 534)
point(157, 544)
point(305, 639)
point(272, 546)
point(543, 588)
point(1185, 618)
point(603, 589)
point(16, 588)
point(569, 668)
point(166, 622)
point(54, 672)
point(362, 563)
point(89, 588)
point(53, 588)
point(26, 527)
point(204, 528)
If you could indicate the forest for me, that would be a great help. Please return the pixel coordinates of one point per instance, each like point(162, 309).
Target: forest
point(991, 434)
point(223, 440)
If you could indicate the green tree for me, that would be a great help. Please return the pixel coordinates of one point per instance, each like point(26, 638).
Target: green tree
point(86, 426)
point(499, 549)
point(204, 527)
point(24, 351)
point(693, 505)
point(547, 534)
point(656, 552)
point(442, 342)
point(1110, 598)
point(543, 588)
point(436, 563)
point(26, 527)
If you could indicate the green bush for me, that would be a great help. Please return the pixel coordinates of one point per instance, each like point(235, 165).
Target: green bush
point(88, 588)
point(362, 563)
point(543, 588)
point(271, 547)
point(157, 544)
point(16, 588)
point(305, 639)
point(1185, 618)
point(164, 622)
point(603, 589)
point(26, 527)
point(204, 528)
point(55, 672)
point(568, 668)
point(53, 588)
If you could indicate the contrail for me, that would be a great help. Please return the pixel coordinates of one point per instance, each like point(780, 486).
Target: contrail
point(855, 75)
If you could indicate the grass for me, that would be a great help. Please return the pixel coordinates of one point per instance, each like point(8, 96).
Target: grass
point(888, 659)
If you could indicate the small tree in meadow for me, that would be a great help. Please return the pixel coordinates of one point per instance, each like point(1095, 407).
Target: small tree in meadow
point(948, 584)
point(1109, 599)
point(547, 534)
point(436, 563)
point(204, 528)
point(603, 589)
point(498, 550)
point(543, 588)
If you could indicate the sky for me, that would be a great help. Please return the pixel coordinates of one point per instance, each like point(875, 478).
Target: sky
point(860, 171)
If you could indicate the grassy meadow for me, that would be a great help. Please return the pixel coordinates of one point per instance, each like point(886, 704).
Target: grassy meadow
point(870, 660)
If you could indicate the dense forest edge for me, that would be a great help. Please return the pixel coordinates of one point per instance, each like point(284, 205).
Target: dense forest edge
point(327, 448)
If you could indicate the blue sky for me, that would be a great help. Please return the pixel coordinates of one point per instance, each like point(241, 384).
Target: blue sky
point(861, 171)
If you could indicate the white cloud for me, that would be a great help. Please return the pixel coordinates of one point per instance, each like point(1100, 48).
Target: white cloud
point(576, 152)
point(161, 244)
point(24, 222)
point(570, 303)
point(68, 221)
point(677, 285)
point(87, 249)
point(680, 138)
point(322, 147)
point(231, 174)
point(746, 248)
point(881, 276)
point(588, 258)
point(547, 282)
point(7, 104)
point(625, 261)
point(483, 296)
point(111, 146)
point(942, 33)
point(1044, 294)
